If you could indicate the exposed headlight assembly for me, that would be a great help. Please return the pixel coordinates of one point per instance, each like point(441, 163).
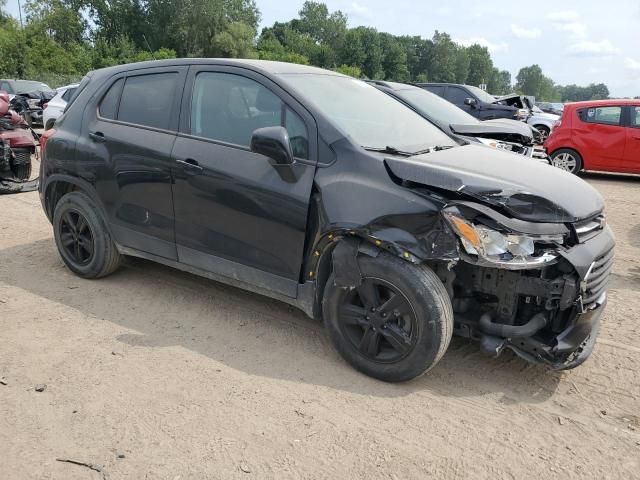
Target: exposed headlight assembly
point(506, 250)
point(496, 144)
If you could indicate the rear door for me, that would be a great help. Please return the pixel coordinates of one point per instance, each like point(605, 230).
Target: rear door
point(235, 215)
point(125, 150)
point(632, 147)
point(600, 136)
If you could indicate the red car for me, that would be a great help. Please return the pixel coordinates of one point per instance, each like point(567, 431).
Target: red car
point(599, 135)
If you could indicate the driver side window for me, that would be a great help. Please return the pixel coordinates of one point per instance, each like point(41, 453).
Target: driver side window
point(228, 108)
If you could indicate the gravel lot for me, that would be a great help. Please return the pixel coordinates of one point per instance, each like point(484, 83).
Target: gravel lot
point(190, 379)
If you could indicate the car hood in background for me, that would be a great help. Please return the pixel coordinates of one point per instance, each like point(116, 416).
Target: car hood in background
point(524, 189)
point(506, 130)
point(545, 116)
point(516, 100)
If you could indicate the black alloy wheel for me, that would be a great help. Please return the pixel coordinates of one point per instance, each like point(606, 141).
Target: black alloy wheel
point(379, 321)
point(76, 237)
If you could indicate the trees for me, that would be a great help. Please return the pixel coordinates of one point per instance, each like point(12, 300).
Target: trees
point(531, 81)
point(65, 38)
point(499, 82)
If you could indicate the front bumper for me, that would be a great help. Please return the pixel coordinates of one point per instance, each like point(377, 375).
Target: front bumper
point(571, 296)
point(567, 350)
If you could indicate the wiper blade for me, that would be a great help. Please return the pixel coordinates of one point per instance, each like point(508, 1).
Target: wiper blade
point(389, 150)
point(396, 151)
point(437, 148)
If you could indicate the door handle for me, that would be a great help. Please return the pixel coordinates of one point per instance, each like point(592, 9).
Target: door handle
point(191, 164)
point(97, 137)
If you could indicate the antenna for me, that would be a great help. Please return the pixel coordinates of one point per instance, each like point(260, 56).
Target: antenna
point(149, 46)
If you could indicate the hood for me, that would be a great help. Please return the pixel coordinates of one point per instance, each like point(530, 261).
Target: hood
point(516, 100)
point(506, 130)
point(546, 116)
point(523, 189)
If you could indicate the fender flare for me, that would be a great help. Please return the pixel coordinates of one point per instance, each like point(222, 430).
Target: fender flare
point(81, 184)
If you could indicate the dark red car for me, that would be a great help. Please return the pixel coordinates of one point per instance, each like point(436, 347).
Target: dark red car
point(599, 135)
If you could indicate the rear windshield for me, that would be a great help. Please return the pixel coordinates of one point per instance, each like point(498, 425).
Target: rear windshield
point(370, 117)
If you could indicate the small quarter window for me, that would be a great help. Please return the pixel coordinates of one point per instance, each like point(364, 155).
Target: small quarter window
point(109, 105)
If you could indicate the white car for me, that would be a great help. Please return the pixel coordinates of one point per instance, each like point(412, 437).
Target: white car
point(55, 107)
point(542, 121)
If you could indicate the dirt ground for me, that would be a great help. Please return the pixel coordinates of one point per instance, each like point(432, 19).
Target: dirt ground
point(191, 379)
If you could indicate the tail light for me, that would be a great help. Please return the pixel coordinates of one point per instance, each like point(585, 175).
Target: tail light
point(44, 138)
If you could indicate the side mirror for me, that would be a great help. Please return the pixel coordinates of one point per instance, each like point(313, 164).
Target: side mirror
point(273, 142)
point(470, 101)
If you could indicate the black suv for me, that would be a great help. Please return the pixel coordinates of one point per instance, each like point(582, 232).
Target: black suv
point(479, 103)
point(322, 191)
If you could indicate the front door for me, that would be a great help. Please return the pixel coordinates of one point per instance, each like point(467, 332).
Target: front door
point(632, 147)
point(235, 215)
point(125, 151)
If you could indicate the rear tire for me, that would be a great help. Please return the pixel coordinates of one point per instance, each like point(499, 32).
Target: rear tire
point(402, 336)
point(568, 160)
point(82, 238)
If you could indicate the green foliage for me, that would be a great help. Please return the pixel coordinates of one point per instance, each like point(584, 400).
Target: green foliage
point(350, 70)
point(480, 65)
point(499, 82)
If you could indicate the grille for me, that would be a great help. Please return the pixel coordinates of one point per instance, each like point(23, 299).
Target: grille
point(21, 156)
point(598, 277)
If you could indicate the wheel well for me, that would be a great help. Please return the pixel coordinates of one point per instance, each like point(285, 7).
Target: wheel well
point(55, 192)
point(539, 126)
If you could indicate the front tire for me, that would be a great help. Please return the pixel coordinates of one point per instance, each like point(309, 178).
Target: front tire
point(396, 325)
point(567, 160)
point(82, 238)
point(544, 132)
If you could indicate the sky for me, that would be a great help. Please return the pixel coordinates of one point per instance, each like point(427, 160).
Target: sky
point(574, 41)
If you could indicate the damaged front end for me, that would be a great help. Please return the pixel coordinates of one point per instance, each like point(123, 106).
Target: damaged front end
point(539, 293)
point(534, 254)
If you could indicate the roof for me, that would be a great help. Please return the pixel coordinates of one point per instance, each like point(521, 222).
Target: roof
point(605, 103)
point(266, 66)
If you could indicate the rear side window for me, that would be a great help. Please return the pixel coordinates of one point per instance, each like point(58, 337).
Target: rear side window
point(147, 99)
point(602, 115)
point(635, 116)
point(228, 108)
point(457, 95)
point(109, 105)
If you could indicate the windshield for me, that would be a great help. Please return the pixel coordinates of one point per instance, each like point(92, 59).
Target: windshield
point(435, 107)
point(27, 86)
point(370, 117)
point(481, 94)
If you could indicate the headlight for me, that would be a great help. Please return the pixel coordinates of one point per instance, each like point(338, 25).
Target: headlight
point(522, 113)
point(495, 144)
point(33, 103)
point(515, 251)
